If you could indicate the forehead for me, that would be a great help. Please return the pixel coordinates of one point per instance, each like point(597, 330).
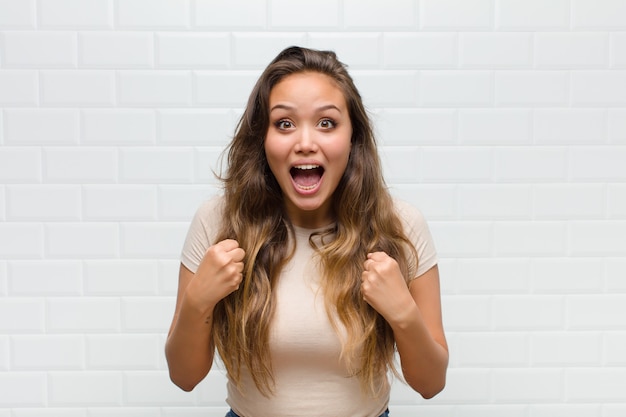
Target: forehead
point(309, 84)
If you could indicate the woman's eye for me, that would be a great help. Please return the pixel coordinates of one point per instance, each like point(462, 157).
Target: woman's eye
point(284, 124)
point(326, 124)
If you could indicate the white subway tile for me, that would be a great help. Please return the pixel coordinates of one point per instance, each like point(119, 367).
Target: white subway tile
point(155, 88)
point(124, 127)
point(532, 15)
point(614, 348)
point(198, 50)
point(489, 410)
point(556, 349)
point(494, 201)
point(532, 88)
point(495, 50)
point(606, 14)
point(522, 238)
point(17, 15)
point(617, 126)
point(77, 88)
point(309, 14)
point(43, 202)
point(597, 163)
point(120, 277)
point(47, 352)
point(174, 165)
point(147, 314)
point(495, 127)
point(506, 350)
point(195, 127)
point(31, 313)
point(595, 385)
point(89, 240)
point(529, 164)
point(85, 389)
point(83, 315)
point(207, 163)
point(596, 312)
point(569, 201)
point(41, 126)
point(617, 50)
point(570, 126)
point(570, 410)
point(40, 49)
point(387, 89)
point(83, 14)
point(80, 165)
point(23, 389)
point(397, 127)
point(598, 238)
point(458, 164)
point(456, 88)
point(152, 240)
point(599, 88)
point(257, 50)
point(45, 278)
point(528, 385)
point(617, 201)
point(493, 276)
point(50, 412)
point(467, 312)
point(224, 89)
point(462, 239)
point(528, 312)
point(613, 410)
point(410, 50)
point(456, 14)
point(130, 412)
point(21, 240)
point(20, 165)
point(400, 164)
point(388, 15)
point(566, 275)
point(435, 201)
point(357, 50)
point(571, 50)
point(615, 271)
point(466, 386)
point(4, 354)
point(3, 278)
point(148, 14)
point(155, 389)
point(179, 203)
point(115, 50)
point(230, 14)
point(19, 88)
point(119, 202)
point(123, 351)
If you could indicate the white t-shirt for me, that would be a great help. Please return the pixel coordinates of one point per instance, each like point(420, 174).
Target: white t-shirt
point(310, 380)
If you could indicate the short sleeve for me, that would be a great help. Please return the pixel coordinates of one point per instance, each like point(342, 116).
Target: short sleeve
point(202, 233)
point(418, 232)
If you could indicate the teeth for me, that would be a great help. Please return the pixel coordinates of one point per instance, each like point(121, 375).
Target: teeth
point(306, 166)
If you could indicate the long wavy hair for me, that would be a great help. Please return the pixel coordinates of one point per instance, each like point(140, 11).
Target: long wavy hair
point(254, 214)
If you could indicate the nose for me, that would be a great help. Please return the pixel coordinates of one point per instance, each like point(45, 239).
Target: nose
point(306, 142)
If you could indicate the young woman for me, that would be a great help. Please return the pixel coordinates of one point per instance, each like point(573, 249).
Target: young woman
point(305, 275)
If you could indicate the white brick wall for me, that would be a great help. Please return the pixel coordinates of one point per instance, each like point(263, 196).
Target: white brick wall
point(503, 120)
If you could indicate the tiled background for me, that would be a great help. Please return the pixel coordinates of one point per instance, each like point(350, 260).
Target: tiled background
point(503, 120)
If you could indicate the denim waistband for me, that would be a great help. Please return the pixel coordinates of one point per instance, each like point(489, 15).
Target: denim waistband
point(231, 413)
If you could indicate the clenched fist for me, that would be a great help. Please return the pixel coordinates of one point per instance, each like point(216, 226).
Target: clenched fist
point(219, 274)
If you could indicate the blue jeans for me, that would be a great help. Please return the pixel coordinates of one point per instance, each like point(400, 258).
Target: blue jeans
point(231, 413)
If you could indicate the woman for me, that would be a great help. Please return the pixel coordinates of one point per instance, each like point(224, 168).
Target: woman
point(306, 275)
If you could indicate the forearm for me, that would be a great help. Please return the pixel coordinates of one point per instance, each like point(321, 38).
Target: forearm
point(189, 349)
point(424, 360)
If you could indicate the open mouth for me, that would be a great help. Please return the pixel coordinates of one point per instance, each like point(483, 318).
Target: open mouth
point(306, 177)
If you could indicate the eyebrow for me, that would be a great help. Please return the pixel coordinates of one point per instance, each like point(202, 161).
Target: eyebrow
point(321, 108)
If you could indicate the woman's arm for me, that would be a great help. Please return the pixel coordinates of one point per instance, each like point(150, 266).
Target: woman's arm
point(414, 314)
point(189, 348)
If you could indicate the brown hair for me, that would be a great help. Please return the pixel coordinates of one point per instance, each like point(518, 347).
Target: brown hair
point(254, 215)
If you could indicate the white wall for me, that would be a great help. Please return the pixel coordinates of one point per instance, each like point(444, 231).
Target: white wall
point(503, 120)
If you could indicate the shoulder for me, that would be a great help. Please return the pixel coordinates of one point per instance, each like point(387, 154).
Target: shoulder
point(410, 216)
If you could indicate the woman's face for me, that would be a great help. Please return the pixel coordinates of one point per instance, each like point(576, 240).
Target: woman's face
point(307, 144)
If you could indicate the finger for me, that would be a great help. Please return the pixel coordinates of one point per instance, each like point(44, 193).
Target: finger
point(227, 245)
point(237, 254)
point(377, 256)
